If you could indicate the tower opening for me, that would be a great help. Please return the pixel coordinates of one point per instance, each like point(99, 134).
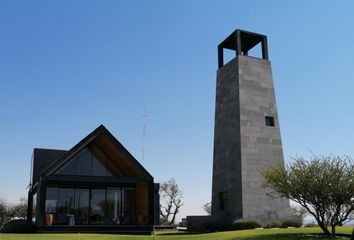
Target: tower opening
point(241, 42)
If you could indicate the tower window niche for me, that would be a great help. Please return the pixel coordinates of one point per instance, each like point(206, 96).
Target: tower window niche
point(269, 121)
point(223, 198)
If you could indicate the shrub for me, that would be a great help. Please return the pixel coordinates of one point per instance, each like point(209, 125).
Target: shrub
point(291, 223)
point(18, 226)
point(241, 225)
point(272, 225)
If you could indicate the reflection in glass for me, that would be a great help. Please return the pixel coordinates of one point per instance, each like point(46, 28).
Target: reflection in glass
point(82, 201)
point(34, 207)
point(66, 205)
point(113, 206)
point(51, 205)
point(98, 202)
point(97, 167)
point(85, 206)
point(51, 202)
point(69, 168)
point(86, 164)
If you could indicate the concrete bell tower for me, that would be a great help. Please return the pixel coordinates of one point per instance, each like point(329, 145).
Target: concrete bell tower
point(247, 134)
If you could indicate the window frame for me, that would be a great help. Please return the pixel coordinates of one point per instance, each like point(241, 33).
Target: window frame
point(269, 121)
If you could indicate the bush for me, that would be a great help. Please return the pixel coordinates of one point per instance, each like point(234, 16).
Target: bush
point(291, 223)
point(272, 225)
point(241, 225)
point(18, 226)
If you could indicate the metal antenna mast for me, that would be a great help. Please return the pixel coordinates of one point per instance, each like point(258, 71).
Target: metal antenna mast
point(144, 116)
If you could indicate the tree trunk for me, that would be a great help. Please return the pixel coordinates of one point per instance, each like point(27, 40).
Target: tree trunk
point(333, 231)
point(174, 215)
point(324, 229)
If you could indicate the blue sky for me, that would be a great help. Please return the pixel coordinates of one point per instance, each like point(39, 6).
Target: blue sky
point(68, 66)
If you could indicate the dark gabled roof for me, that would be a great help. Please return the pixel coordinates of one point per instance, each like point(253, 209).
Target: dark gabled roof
point(42, 158)
point(100, 134)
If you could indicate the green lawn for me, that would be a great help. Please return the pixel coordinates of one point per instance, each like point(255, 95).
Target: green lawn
point(257, 234)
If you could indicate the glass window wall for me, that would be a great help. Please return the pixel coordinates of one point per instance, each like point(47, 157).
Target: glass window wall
point(51, 205)
point(98, 204)
point(83, 206)
point(66, 205)
point(114, 206)
point(86, 164)
point(34, 207)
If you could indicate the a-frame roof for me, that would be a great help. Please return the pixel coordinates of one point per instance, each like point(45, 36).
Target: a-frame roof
point(110, 145)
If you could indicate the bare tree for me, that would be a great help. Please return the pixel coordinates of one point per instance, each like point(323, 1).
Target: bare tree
point(171, 196)
point(324, 186)
point(9, 211)
point(19, 210)
point(4, 207)
point(207, 208)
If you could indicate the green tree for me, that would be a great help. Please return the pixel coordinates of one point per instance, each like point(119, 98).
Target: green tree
point(323, 185)
point(171, 197)
point(299, 211)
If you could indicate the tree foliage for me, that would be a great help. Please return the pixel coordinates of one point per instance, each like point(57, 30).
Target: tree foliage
point(324, 186)
point(171, 196)
point(299, 211)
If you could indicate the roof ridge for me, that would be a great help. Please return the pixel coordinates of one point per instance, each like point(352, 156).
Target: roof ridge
point(49, 149)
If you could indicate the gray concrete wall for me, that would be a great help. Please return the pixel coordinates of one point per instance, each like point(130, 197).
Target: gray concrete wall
point(243, 145)
point(261, 145)
point(227, 152)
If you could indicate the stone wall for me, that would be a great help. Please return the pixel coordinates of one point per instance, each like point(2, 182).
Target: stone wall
point(227, 151)
point(261, 145)
point(243, 145)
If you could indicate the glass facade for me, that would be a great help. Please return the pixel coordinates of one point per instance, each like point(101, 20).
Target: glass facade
point(66, 204)
point(83, 206)
point(83, 163)
point(52, 200)
point(86, 164)
point(114, 205)
point(34, 207)
point(98, 206)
